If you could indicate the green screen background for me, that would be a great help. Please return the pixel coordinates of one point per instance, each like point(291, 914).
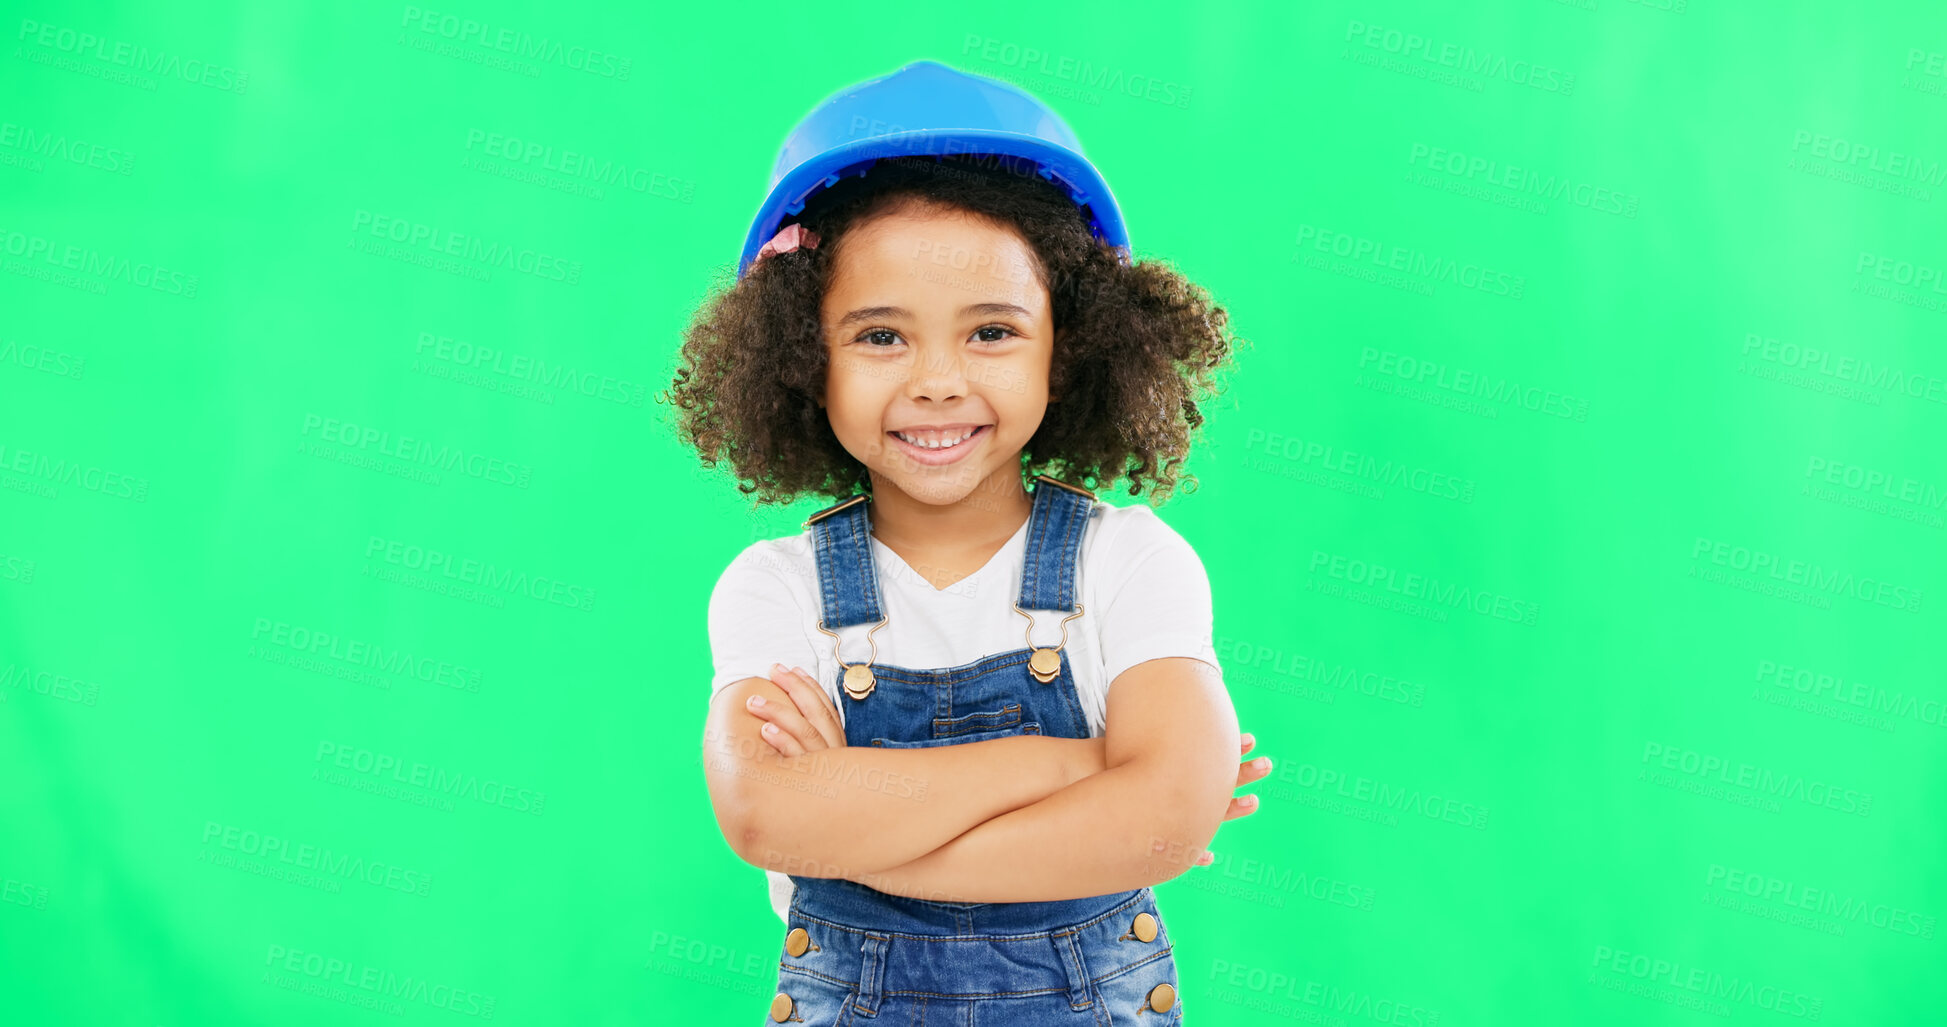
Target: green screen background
point(1575, 514)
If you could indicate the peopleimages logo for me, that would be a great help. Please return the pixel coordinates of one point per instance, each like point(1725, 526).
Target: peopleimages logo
point(298, 638)
point(39, 249)
point(517, 43)
point(1705, 984)
point(57, 147)
point(1260, 989)
point(1526, 181)
point(378, 985)
point(1820, 900)
point(1467, 382)
point(1835, 688)
point(304, 856)
point(1891, 163)
point(476, 572)
point(1808, 575)
point(421, 239)
point(418, 452)
point(1423, 587)
point(1362, 466)
point(133, 57)
point(56, 362)
point(447, 783)
point(53, 470)
point(1484, 63)
point(1432, 805)
point(1114, 80)
point(1708, 767)
point(535, 370)
point(577, 166)
point(1863, 371)
point(1407, 260)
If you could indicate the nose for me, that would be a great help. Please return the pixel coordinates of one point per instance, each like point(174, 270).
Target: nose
point(936, 377)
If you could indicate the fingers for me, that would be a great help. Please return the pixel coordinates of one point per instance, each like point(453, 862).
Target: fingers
point(780, 739)
point(810, 706)
point(1247, 772)
point(813, 704)
point(805, 724)
point(784, 727)
point(1252, 770)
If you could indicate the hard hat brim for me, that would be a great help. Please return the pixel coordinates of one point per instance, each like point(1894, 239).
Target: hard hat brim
point(1058, 164)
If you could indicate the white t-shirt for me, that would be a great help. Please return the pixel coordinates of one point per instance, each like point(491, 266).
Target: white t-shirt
point(1143, 591)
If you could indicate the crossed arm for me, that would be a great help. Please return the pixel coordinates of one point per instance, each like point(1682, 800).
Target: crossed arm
point(1016, 819)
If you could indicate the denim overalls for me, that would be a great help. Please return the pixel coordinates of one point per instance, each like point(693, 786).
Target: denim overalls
point(856, 955)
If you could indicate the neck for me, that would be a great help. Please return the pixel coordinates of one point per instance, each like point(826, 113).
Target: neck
point(994, 509)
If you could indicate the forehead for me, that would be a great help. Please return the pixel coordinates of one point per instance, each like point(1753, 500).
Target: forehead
point(936, 258)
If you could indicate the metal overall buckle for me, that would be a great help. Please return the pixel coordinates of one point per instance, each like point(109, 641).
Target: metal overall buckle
point(1045, 664)
point(858, 680)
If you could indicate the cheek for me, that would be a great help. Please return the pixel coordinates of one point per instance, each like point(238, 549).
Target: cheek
point(1018, 386)
point(852, 407)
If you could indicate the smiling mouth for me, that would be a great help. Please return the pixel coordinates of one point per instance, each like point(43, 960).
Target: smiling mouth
point(941, 447)
point(935, 456)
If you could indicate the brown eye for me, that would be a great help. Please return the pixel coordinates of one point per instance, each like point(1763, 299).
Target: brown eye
point(995, 328)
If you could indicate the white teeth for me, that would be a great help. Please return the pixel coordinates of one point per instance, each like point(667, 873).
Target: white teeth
point(936, 443)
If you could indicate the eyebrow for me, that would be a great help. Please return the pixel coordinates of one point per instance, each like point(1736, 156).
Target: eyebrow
point(886, 313)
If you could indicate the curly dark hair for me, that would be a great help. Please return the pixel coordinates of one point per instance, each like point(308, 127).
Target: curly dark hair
point(1136, 344)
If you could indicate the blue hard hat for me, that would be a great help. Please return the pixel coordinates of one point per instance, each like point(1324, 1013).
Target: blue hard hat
point(927, 108)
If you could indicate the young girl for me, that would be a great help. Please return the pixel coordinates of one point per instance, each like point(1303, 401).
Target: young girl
point(913, 729)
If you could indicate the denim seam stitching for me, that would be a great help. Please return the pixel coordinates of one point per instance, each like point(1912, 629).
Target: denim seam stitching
point(1037, 541)
point(1078, 977)
point(806, 971)
point(1136, 898)
point(948, 676)
point(1161, 953)
point(1006, 716)
point(966, 995)
point(827, 579)
point(1071, 552)
point(864, 564)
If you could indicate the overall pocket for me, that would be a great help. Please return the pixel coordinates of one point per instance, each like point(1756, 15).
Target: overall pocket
point(971, 727)
point(1135, 979)
point(977, 723)
point(1029, 728)
point(1130, 996)
point(815, 1001)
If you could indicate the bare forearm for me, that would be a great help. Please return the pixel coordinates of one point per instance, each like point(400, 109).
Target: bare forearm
point(1108, 832)
point(860, 809)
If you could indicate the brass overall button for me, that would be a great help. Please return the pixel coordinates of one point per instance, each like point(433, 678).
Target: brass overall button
point(1145, 927)
point(1161, 998)
point(781, 1007)
point(797, 941)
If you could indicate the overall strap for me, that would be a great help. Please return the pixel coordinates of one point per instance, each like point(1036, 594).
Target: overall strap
point(1054, 550)
point(848, 585)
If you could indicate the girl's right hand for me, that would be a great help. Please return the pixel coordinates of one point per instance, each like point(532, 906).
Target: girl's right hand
point(805, 724)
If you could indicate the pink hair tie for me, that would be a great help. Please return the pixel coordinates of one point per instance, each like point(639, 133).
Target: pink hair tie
point(788, 238)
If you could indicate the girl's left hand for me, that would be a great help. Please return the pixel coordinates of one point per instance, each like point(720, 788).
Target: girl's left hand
point(808, 723)
point(1245, 805)
point(1247, 772)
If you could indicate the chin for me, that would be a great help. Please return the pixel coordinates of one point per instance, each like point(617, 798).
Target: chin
point(939, 489)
